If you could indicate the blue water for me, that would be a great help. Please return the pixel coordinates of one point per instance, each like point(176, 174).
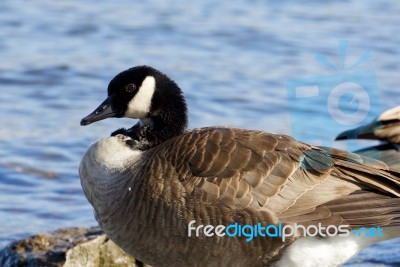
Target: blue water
point(232, 59)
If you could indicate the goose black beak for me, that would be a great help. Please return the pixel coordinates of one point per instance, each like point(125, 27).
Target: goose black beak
point(104, 111)
point(350, 134)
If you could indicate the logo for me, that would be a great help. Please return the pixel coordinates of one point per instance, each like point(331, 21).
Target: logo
point(278, 231)
point(321, 107)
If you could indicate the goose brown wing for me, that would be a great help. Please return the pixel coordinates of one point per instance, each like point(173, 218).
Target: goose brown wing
point(293, 181)
point(388, 153)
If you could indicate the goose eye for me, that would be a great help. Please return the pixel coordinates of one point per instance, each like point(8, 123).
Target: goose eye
point(130, 87)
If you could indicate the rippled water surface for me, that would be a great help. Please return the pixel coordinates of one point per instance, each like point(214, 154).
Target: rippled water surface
point(232, 59)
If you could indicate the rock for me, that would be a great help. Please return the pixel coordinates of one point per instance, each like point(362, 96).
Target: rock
point(87, 247)
point(98, 252)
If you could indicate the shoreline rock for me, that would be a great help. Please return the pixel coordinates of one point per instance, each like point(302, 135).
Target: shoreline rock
point(75, 247)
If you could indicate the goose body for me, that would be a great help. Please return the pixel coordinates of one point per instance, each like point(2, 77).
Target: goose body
point(148, 183)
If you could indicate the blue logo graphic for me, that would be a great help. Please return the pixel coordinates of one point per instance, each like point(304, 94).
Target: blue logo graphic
point(349, 98)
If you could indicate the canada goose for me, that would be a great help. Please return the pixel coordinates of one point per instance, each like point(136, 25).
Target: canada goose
point(385, 128)
point(148, 183)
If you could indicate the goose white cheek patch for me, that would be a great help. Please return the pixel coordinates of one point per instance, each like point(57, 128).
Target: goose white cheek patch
point(140, 104)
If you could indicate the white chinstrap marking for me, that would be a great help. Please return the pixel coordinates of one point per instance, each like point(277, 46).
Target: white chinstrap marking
point(140, 104)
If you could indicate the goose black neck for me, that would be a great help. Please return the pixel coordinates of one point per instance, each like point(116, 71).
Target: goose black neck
point(159, 129)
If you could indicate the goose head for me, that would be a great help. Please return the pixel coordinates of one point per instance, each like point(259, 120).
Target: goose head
point(385, 128)
point(146, 94)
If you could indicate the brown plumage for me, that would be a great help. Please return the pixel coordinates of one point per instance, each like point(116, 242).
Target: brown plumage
point(144, 200)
